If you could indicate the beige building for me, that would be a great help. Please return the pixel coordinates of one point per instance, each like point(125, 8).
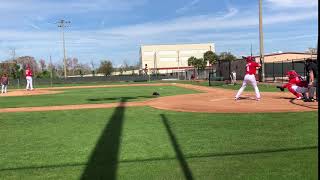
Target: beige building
point(285, 56)
point(171, 58)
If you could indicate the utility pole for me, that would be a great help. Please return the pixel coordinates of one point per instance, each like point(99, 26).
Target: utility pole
point(155, 66)
point(261, 42)
point(62, 24)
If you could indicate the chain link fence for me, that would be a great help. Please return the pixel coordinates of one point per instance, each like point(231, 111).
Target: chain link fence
point(47, 82)
point(274, 72)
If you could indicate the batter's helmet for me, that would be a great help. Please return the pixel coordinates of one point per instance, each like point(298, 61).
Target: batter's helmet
point(248, 58)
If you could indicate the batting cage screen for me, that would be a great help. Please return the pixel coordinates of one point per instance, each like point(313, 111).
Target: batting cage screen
point(214, 80)
point(277, 70)
point(274, 71)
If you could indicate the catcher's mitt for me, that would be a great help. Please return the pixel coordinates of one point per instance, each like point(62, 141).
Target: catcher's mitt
point(281, 88)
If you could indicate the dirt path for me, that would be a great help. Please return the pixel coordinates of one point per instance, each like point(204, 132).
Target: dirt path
point(212, 100)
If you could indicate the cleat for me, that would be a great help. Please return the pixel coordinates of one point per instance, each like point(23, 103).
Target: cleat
point(309, 100)
point(299, 98)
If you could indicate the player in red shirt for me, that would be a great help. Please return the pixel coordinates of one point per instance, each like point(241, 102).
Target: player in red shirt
point(296, 85)
point(4, 83)
point(29, 78)
point(251, 69)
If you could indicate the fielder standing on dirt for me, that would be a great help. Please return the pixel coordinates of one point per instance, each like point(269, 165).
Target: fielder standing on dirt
point(29, 78)
point(251, 69)
point(4, 83)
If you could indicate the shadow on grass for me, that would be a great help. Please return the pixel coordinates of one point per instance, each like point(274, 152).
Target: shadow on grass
point(236, 153)
point(183, 163)
point(103, 162)
point(117, 98)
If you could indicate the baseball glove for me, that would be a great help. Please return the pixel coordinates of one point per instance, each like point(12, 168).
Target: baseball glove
point(281, 88)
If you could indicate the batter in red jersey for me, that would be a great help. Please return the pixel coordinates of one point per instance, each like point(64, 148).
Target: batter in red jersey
point(29, 78)
point(251, 69)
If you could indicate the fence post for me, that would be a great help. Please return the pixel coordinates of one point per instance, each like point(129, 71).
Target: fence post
point(304, 68)
point(219, 74)
point(292, 64)
point(274, 78)
point(282, 71)
point(229, 70)
point(18, 83)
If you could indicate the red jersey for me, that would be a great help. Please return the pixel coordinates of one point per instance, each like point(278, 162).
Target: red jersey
point(4, 80)
point(251, 67)
point(28, 72)
point(296, 81)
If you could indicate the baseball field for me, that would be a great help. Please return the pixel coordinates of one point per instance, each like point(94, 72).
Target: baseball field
point(189, 131)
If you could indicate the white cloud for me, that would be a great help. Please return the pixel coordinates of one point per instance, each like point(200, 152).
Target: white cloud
point(209, 22)
point(117, 41)
point(187, 7)
point(70, 6)
point(34, 26)
point(292, 3)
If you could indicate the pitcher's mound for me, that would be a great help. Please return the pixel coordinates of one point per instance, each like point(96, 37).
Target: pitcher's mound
point(29, 93)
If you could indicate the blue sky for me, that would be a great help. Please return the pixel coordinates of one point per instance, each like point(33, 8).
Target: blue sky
point(115, 29)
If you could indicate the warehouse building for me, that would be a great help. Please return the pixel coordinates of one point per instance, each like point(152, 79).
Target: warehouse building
point(171, 58)
point(286, 56)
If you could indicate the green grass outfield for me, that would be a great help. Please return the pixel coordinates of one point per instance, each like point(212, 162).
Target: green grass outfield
point(92, 96)
point(145, 143)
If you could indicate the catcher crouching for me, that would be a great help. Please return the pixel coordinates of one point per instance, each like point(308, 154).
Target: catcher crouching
point(296, 85)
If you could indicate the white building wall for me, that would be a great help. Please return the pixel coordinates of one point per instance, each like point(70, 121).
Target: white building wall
point(172, 57)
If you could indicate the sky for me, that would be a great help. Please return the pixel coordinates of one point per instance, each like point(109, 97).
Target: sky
point(115, 29)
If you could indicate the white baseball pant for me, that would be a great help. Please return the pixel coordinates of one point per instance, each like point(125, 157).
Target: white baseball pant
point(299, 89)
point(251, 79)
point(4, 88)
point(29, 83)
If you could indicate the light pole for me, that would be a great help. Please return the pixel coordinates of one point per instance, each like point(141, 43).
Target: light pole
point(155, 66)
point(62, 24)
point(261, 42)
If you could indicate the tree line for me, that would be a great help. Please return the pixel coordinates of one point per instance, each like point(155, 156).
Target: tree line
point(41, 68)
point(211, 57)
